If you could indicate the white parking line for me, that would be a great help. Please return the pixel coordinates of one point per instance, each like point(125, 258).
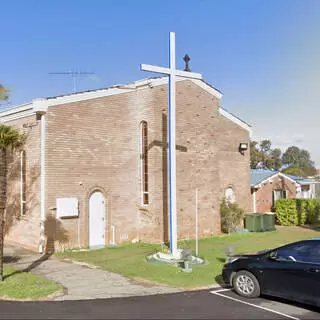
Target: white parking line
point(250, 304)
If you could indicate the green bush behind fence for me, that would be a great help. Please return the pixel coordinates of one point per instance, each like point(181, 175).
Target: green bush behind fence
point(297, 212)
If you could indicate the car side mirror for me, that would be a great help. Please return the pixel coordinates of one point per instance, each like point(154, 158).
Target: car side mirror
point(273, 255)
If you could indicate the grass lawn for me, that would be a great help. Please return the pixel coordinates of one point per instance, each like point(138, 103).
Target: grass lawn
point(25, 285)
point(129, 259)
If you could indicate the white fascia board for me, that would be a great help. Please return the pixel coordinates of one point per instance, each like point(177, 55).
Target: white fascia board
point(206, 87)
point(42, 104)
point(138, 85)
point(266, 179)
point(86, 96)
point(17, 109)
point(236, 120)
point(16, 115)
point(285, 176)
point(273, 176)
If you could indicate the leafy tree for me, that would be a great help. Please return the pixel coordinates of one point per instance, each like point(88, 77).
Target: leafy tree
point(299, 172)
point(298, 161)
point(291, 156)
point(265, 146)
point(276, 163)
point(255, 154)
point(10, 138)
point(262, 155)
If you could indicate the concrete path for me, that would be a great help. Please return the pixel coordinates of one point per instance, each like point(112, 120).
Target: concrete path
point(81, 281)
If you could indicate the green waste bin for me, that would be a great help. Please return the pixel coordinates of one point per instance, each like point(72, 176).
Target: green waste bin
point(254, 222)
point(259, 222)
point(269, 222)
point(248, 222)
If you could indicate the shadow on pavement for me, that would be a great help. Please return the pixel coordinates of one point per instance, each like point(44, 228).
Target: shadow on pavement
point(33, 265)
point(10, 259)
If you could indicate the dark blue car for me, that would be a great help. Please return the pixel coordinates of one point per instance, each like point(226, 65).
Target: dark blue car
point(291, 272)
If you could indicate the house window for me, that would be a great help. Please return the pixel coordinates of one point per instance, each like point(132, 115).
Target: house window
point(277, 195)
point(144, 163)
point(23, 188)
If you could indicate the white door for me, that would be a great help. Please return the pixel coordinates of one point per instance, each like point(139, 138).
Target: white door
point(96, 220)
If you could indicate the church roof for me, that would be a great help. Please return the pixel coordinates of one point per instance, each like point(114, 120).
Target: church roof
point(43, 103)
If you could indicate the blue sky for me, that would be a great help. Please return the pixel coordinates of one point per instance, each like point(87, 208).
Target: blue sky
point(263, 55)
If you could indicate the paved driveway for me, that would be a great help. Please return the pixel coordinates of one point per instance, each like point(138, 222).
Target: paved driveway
point(82, 281)
point(186, 305)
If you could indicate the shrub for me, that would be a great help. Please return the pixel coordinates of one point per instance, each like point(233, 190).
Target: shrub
point(312, 207)
point(286, 212)
point(231, 216)
point(297, 212)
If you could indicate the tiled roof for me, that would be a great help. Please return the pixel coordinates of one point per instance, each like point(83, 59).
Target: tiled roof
point(301, 180)
point(259, 175)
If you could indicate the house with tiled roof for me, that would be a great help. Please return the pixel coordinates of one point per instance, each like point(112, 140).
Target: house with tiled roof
point(267, 186)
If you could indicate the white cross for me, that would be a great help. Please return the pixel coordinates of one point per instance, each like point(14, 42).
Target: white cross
point(172, 72)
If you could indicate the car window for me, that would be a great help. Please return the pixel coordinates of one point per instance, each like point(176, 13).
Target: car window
point(307, 252)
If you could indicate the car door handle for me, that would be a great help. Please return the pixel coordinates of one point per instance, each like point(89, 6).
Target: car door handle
point(313, 270)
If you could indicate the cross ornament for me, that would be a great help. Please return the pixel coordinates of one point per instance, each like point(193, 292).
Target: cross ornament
point(172, 73)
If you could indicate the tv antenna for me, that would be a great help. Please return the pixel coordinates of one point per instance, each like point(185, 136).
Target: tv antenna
point(74, 75)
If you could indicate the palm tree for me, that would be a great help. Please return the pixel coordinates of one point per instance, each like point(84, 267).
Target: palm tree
point(3, 93)
point(10, 138)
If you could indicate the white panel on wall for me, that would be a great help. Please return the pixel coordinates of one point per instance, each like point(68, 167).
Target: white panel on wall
point(67, 207)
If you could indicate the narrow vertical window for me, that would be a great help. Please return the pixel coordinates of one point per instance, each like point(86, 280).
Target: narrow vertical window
point(144, 163)
point(23, 188)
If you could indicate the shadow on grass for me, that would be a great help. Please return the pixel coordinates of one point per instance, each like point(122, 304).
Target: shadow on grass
point(220, 282)
point(223, 260)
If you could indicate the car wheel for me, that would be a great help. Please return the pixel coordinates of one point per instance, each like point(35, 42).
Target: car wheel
point(246, 284)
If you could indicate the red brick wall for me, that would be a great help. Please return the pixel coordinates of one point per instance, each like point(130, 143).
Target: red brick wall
point(25, 229)
point(264, 194)
point(95, 145)
point(234, 167)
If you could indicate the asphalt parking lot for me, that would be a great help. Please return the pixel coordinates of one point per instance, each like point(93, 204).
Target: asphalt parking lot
point(276, 308)
point(205, 304)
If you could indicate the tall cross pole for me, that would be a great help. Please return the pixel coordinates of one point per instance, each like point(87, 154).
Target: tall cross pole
point(172, 73)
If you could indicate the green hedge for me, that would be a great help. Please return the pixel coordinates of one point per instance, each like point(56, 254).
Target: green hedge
point(297, 212)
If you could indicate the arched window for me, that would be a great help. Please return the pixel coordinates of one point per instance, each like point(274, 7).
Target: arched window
point(144, 162)
point(23, 188)
point(230, 196)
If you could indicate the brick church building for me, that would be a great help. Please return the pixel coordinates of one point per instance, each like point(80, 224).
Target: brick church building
point(93, 169)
